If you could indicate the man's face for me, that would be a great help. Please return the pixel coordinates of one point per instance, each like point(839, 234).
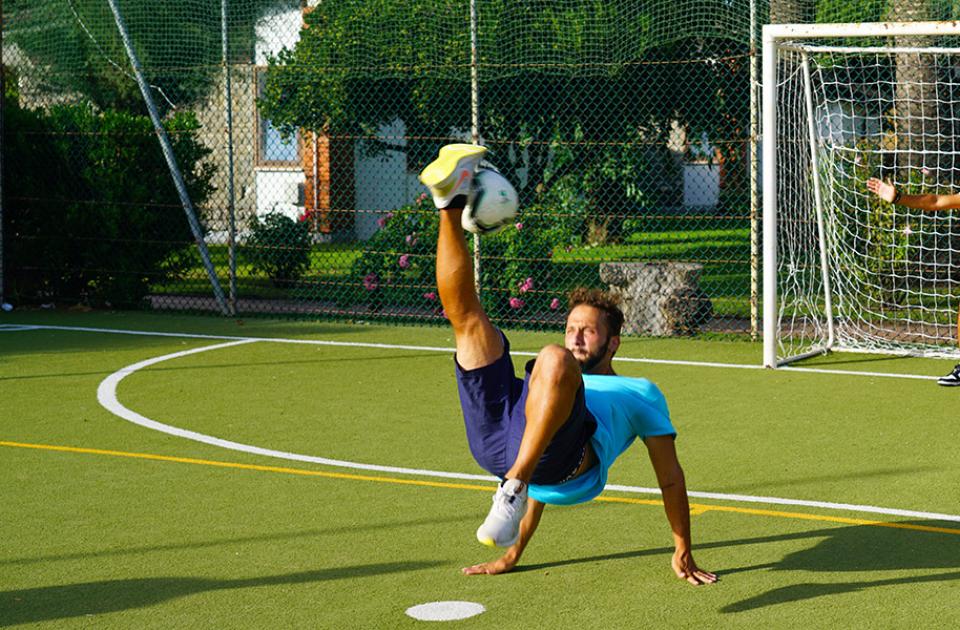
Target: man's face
point(587, 337)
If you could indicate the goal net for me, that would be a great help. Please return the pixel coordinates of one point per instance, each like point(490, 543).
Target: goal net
point(844, 270)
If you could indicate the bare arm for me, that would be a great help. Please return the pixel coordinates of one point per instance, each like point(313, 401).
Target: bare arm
point(928, 203)
point(663, 456)
point(509, 559)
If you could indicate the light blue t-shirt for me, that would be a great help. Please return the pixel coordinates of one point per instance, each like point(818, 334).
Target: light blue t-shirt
point(625, 409)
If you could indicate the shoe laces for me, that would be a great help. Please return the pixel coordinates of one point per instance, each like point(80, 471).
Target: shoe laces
point(508, 502)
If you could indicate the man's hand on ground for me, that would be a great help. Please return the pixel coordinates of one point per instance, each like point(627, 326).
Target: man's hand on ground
point(686, 569)
point(501, 565)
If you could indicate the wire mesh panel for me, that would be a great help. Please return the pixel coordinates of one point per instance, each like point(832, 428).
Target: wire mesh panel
point(300, 128)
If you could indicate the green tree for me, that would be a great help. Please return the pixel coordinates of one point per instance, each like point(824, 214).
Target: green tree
point(572, 94)
point(77, 45)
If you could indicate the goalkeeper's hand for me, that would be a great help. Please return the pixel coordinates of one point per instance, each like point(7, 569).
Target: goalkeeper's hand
point(882, 189)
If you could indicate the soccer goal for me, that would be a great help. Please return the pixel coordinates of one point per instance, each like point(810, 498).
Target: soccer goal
point(844, 270)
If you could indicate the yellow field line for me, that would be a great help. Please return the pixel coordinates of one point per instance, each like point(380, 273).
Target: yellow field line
point(695, 508)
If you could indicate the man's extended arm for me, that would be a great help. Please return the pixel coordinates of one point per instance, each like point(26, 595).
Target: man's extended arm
point(509, 559)
point(929, 203)
point(670, 477)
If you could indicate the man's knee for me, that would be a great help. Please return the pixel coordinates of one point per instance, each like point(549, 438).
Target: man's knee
point(556, 364)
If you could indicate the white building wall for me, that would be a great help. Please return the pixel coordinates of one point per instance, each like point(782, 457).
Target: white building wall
point(277, 186)
point(383, 182)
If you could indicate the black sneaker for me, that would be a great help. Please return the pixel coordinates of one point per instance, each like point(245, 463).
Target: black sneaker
point(951, 379)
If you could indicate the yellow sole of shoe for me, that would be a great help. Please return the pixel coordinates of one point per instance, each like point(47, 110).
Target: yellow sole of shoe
point(445, 165)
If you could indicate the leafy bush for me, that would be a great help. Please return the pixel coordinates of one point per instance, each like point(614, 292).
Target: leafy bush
point(517, 267)
point(279, 247)
point(398, 267)
point(91, 213)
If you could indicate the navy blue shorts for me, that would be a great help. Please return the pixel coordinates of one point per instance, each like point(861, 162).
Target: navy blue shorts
point(493, 401)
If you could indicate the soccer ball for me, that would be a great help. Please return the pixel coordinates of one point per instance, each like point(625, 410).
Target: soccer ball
point(492, 204)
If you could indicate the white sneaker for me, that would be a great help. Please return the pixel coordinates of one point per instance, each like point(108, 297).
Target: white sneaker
point(502, 526)
point(452, 172)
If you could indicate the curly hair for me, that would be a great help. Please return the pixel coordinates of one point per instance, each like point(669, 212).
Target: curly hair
point(604, 301)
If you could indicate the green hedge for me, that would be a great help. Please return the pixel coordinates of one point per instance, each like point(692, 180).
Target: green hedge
point(91, 214)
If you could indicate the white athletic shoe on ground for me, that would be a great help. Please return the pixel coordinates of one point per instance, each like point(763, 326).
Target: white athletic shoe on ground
point(452, 172)
point(952, 379)
point(502, 526)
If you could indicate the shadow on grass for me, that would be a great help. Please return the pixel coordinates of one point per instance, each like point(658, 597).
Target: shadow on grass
point(96, 598)
point(865, 549)
point(352, 528)
point(862, 549)
point(801, 592)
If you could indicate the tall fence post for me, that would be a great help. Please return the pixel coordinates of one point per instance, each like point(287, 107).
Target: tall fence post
point(231, 207)
point(754, 178)
point(3, 92)
point(171, 160)
point(475, 119)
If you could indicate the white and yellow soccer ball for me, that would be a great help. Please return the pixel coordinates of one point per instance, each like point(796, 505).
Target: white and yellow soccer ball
point(492, 203)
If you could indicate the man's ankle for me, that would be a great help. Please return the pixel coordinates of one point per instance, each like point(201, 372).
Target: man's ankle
point(457, 203)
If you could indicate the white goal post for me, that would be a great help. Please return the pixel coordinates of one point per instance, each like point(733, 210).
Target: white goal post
point(842, 269)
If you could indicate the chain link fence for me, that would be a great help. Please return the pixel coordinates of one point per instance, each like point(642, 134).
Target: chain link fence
point(298, 130)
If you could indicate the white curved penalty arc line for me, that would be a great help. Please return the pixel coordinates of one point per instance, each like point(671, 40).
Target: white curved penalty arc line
point(107, 397)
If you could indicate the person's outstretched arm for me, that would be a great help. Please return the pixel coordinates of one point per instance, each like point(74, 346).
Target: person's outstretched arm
point(663, 456)
point(508, 560)
point(929, 203)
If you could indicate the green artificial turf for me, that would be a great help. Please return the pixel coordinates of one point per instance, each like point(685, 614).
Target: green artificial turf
point(97, 539)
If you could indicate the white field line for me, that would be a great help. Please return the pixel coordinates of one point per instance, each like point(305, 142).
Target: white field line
point(389, 346)
point(15, 327)
point(107, 396)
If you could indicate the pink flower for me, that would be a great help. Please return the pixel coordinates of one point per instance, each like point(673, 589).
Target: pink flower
point(516, 303)
point(925, 170)
point(422, 197)
point(519, 226)
point(382, 221)
point(404, 261)
point(412, 239)
point(526, 285)
point(371, 282)
point(430, 296)
point(554, 304)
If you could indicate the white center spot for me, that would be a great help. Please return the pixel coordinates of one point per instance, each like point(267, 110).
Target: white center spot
point(445, 611)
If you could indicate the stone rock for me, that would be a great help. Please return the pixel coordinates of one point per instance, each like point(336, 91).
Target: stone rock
point(661, 299)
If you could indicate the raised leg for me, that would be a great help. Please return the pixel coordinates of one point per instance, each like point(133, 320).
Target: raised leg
point(449, 179)
point(478, 342)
